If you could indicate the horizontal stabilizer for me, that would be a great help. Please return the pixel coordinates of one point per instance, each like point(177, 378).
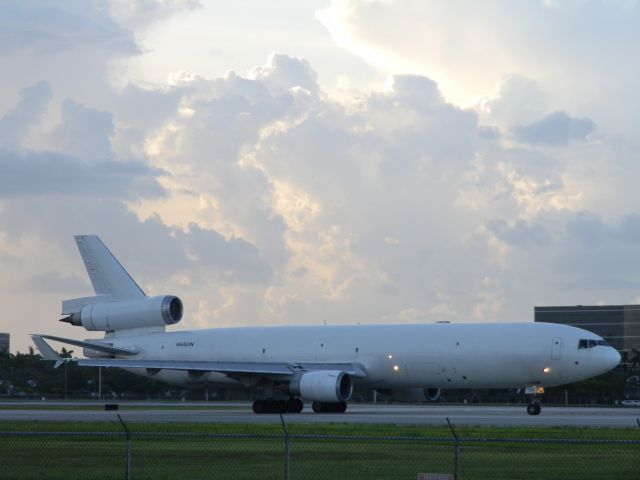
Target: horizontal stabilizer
point(100, 347)
point(47, 352)
point(45, 349)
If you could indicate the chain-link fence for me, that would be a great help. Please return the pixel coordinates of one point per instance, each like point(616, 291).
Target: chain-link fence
point(178, 455)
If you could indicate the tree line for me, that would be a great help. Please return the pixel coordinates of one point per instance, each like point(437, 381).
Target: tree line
point(26, 375)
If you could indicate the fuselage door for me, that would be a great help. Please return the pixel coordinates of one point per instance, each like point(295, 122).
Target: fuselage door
point(556, 348)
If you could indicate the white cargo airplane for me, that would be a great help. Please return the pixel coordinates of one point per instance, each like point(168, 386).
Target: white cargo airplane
point(320, 364)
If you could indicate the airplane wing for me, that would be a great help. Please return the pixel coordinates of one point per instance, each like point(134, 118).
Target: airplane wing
point(260, 368)
point(228, 368)
point(222, 367)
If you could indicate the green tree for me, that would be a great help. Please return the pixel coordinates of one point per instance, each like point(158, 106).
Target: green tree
point(66, 354)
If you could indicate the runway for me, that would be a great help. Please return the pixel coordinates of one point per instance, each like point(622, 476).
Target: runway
point(232, 412)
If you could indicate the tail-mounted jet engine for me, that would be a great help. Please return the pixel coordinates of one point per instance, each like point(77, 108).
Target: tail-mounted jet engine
point(144, 312)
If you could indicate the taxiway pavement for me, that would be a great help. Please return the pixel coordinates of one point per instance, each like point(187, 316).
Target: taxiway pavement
point(230, 412)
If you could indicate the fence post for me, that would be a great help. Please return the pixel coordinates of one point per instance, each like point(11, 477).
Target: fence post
point(127, 449)
point(286, 449)
point(456, 451)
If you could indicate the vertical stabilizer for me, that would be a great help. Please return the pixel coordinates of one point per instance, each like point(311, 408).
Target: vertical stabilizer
point(107, 276)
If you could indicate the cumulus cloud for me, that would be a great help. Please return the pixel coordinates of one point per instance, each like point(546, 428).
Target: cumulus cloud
point(16, 124)
point(518, 100)
point(139, 13)
point(385, 202)
point(237, 259)
point(44, 27)
point(557, 128)
point(262, 198)
point(416, 90)
point(586, 228)
point(519, 233)
point(468, 47)
point(46, 173)
point(84, 132)
point(282, 72)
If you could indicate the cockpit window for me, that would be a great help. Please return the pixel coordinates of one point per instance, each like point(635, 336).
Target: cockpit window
point(590, 343)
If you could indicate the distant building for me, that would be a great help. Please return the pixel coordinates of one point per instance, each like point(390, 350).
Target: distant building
point(5, 341)
point(619, 325)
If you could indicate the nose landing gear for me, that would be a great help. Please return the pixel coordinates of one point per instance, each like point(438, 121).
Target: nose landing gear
point(534, 407)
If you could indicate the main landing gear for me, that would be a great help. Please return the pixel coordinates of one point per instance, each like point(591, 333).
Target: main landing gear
point(295, 405)
point(271, 405)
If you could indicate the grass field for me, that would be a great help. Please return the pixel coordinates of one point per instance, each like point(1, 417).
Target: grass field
point(327, 451)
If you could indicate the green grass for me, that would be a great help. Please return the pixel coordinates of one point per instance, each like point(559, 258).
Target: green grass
point(373, 430)
point(194, 454)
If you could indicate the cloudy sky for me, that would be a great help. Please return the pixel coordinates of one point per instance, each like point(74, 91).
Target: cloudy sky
point(300, 162)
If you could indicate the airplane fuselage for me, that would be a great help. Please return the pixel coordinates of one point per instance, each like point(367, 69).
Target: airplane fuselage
point(506, 355)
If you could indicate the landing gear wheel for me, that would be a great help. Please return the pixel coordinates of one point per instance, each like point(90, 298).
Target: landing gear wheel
point(270, 405)
point(294, 405)
point(278, 406)
point(259, 406)
point(533, 409)
point(329, 407)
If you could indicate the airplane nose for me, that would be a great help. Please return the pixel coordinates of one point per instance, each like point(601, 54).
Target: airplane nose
point(612, 358)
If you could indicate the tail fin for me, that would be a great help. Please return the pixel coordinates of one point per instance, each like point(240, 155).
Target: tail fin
point(119, 303)
point(107, 276)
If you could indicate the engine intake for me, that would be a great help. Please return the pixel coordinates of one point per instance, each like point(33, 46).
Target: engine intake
point(146, 312)
point(323, 386)
point(432, 394)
